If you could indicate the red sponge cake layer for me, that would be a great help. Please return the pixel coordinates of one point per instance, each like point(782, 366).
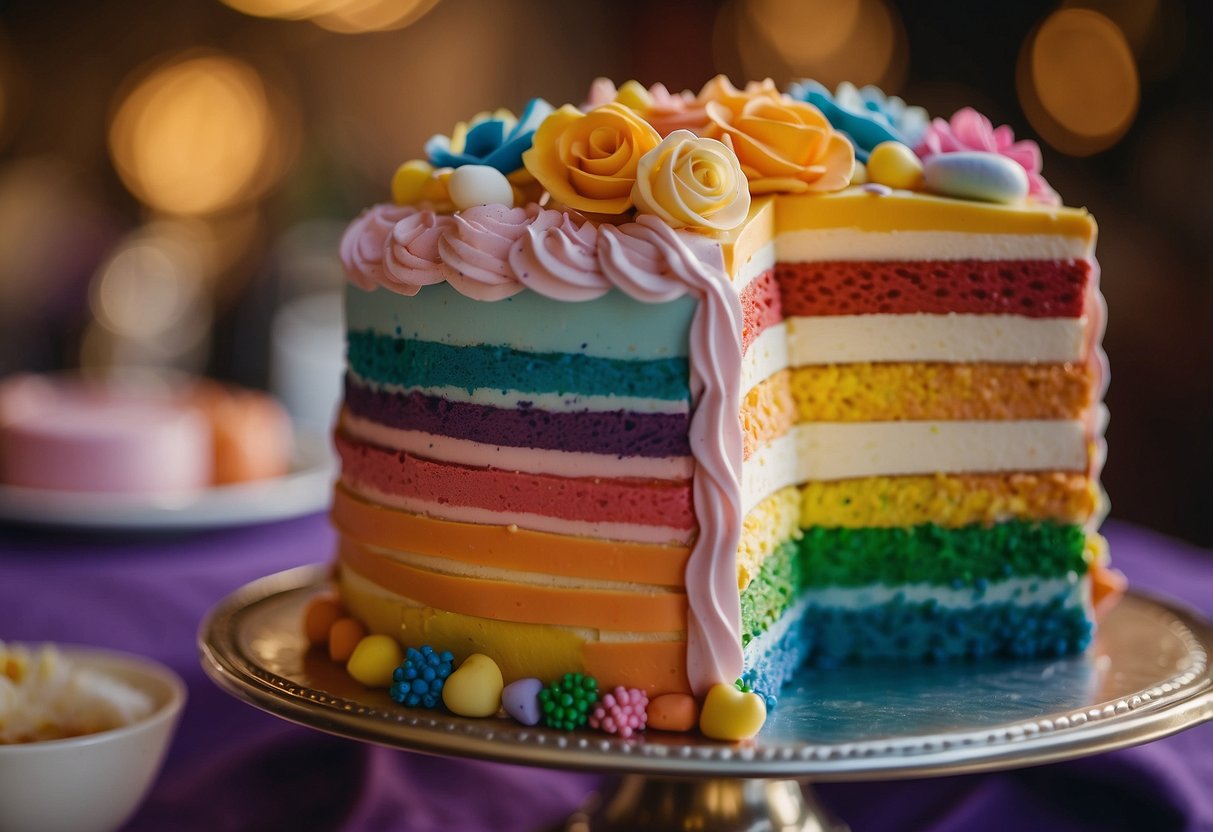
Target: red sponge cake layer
point(1031, 288)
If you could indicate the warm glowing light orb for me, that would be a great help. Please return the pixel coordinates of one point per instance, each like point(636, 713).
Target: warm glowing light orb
point(192, 137)
point(862, 41)
point(1078, 81)
point(343, 16)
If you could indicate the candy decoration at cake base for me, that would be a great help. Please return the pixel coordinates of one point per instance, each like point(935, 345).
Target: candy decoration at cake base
point(374, 660)
point(567, 702)
point(975, 175)
point(473, 185)
point(622, 712)
point(419, 680)
point(475, 688)
point(673, 712)
point(521, 700)
point(895, 165)
point(730, 714)
point(344, 637)
point(321, 614)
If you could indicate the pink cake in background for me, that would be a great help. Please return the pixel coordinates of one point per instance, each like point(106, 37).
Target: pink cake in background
point(70, 434)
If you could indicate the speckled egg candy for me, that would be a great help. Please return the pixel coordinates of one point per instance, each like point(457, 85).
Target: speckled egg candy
point(986, 177)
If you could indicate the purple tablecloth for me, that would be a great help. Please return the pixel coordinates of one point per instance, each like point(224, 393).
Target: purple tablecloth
point(233, 767)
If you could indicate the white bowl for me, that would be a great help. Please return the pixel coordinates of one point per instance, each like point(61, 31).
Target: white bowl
point(92, 783)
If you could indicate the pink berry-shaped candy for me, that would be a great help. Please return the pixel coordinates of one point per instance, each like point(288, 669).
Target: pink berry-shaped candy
point(623, 711)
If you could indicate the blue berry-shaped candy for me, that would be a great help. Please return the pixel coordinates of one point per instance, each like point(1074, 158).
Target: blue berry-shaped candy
point(567, 702)
point(418, 681)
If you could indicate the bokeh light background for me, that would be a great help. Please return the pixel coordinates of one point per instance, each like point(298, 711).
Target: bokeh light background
point(174, 175)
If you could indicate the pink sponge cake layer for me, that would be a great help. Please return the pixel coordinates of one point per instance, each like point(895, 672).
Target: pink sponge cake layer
point(590, 499)
point(76, 436)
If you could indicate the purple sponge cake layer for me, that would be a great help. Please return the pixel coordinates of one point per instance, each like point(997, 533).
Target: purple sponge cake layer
point(618, 432)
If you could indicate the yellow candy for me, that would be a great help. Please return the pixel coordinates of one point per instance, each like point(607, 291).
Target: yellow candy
point(374, 660)
point(729, 714)
point(860, 174)
point(410, 180)
point(895, 165)
point(475, 688)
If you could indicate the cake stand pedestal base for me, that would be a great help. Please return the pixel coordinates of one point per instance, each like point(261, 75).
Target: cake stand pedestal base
point(705, 804)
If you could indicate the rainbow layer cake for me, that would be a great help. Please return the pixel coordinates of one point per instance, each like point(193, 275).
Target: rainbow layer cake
point(686, 390)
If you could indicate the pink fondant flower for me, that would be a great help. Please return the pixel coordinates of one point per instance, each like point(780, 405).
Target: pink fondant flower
point(970, 130)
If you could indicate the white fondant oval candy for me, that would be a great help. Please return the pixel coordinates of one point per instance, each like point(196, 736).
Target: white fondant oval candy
point(472, 185)
point(975, 175)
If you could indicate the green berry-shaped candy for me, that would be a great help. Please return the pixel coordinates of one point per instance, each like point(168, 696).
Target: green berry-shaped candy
point(566, 702)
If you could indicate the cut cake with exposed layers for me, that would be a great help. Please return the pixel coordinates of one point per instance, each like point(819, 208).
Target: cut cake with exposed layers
point(857, 424)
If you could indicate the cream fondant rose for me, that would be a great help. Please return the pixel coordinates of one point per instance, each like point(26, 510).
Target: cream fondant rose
point(783, 145)
point(692, 182)
point(587, 161)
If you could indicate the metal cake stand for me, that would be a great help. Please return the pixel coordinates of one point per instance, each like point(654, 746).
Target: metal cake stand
point(1146, 676)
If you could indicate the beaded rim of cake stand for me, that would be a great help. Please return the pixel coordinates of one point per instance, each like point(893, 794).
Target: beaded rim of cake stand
point(219, 643)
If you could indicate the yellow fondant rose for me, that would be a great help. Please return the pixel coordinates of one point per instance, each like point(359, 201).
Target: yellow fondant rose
point(783, 145)
point(587, 161)
point(692, 182)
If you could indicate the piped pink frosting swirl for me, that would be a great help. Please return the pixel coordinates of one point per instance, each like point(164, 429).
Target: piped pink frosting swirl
point(492, 252)
point(411, 255)
point(559, 259)
point(475, 252)
point(362, 244)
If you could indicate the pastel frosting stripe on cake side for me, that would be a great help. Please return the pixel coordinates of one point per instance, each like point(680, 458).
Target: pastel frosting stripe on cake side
point(401, 399)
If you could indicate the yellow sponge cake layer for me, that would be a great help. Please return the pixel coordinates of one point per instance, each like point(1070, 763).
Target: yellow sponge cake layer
point(949, 500)
point(520, 649)
point(867, 392)
point(766, 526)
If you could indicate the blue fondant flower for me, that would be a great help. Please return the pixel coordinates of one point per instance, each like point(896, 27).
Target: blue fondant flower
point(865, 116)
point(496, 139)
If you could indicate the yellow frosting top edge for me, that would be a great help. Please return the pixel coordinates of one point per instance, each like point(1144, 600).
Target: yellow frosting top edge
point(860, 210)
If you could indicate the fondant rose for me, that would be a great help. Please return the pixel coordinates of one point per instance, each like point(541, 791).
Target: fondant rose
point(970, 130)
point(721, 90)
point(495, 139)
point(587, 161)
point(783, 145)
point(867, 117)
point(664, 110)
point(692, 182)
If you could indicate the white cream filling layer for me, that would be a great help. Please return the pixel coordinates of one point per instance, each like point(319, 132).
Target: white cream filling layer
point(844, 339)
point(767, 355)
point(551, 402)
point(628, 532)
point(842, 450)
point(823, 244)
point(760, 261)
point(506, 458)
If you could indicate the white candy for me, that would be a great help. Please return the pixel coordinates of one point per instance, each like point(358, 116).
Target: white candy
point(975, 175)
point(479, 185)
